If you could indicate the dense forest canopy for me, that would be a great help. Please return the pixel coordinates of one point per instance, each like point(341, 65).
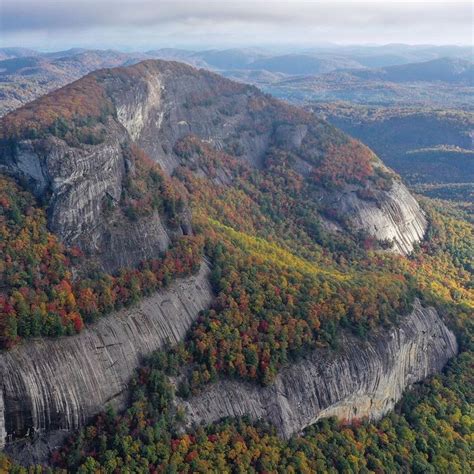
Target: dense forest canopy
point(290, 273)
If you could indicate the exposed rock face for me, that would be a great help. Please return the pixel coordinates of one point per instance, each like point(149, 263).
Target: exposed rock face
point(77, 182)
point(155, 104)
point(394, 216)
point(399, 218)
point(359, 380)
point(162, 107)
point(59, 384)
point(169, 101)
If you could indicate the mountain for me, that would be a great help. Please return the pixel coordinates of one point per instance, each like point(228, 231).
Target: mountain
point(28, 76)
point(322, 74)
point(329, 57)
point(12, 53)
point(198, 112)
point(234, 246)
point(380, 56)
point(449, 70)
point(297, 64)
point(438, 83)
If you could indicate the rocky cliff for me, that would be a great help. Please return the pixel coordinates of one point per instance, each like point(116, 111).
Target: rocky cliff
point(78, 183)
point(155, 104)
point(394, 216)
point(358, 380)
point(59, 384)
point(163, 106)
point(79, 169)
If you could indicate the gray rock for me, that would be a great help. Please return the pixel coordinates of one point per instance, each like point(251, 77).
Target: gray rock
point(156, 112)
point(50, 385)
point(76, 182)
point(359, 380)
point(393, 216)
point(53, 384)
point(157, 104)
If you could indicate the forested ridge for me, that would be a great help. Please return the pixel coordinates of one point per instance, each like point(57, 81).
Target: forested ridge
point(430, 431)
point(289, 272)
point(279, 294)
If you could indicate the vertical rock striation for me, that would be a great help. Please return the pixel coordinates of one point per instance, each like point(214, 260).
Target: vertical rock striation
point(59, 384)
point(359, 380)
point(395, 216)
point(77, 183)
point(155, 104)
point(165, 105)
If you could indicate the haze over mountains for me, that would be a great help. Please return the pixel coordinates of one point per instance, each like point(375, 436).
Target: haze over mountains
point(236, 236)
point(123, 160)
point(378, 77)
point(363, 74)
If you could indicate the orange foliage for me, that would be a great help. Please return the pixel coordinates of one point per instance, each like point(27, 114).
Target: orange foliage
point(83, 99)
point(349, 162)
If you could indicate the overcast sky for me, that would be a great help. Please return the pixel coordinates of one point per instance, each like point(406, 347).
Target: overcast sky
point(146, 24)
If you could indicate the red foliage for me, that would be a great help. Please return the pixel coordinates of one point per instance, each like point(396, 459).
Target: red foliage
point(350, 162)
point(82, 99)
point(40, 297)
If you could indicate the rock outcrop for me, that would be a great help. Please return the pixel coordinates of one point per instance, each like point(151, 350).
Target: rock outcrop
point(393, 216)
point(154, 104)
point(78, 183)
point(59, 384)
point(361, 379)
point(162, 107)
point(399, 218)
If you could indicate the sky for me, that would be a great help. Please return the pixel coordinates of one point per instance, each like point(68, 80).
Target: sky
point(147, 24)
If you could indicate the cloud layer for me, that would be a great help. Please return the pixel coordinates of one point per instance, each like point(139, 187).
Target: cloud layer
point(147, 23)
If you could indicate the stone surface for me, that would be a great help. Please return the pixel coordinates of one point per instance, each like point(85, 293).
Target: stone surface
point(157, 103)
point(49, 385)
point(394, 216)
point(53, 384)
point(76, 182)
point(156, 111)
point(361, 379)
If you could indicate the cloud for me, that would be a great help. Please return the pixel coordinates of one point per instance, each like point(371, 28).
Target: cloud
point(242, 22)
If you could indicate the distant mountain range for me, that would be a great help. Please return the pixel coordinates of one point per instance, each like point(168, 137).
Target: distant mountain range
point(443, 82)
point(317, 75)
point(27, 74)
point(451, 70)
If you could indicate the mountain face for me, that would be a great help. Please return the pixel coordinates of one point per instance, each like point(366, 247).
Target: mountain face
point(88, 152)
point(52, 387)
point(155, 104)
point(60, 384)
point(231, 123)
point(361, 381)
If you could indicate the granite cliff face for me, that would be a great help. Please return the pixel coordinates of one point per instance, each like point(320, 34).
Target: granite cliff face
point(155, 104)
point(359, 380)
point(163, 107)
point(53, 386)
point(393, 216)
point(59, 384)
point(78, 183)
